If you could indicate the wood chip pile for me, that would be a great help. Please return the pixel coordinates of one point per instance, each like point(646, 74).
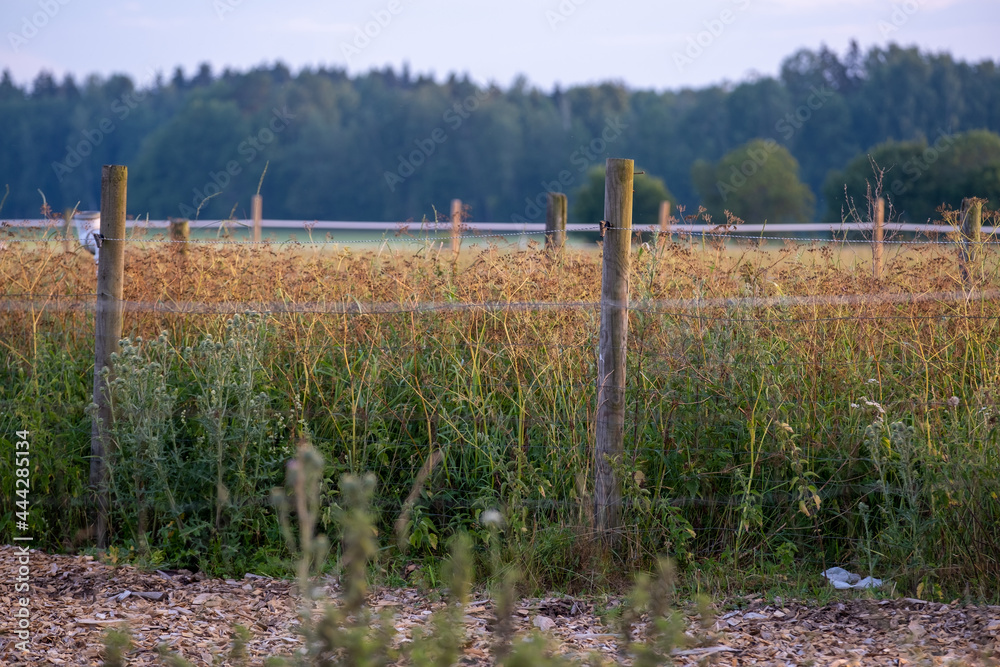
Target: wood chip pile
point(75, 599)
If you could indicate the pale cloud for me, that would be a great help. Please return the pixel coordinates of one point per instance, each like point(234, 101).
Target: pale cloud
point(133, 16)
point(152, 23)
point(312, 27)
point(25, 65)
point(880, 6)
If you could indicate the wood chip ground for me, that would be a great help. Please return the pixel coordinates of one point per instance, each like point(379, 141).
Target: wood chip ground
point(75, 599)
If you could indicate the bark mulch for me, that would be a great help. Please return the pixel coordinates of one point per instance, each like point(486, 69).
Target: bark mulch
point(74, 600)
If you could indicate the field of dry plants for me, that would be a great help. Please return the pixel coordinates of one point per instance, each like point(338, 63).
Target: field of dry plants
point(786, 412)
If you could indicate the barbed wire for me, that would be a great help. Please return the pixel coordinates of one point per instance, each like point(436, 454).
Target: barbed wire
point(652, 306)
point(797, 239)
point(441, 236)
point(799, 320)
point(444, 234)
point(29, 295)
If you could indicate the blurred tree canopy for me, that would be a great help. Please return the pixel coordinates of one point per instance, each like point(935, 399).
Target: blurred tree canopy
point(648, 192)
point(757, 182)
point(918, 177)
point(389, 145)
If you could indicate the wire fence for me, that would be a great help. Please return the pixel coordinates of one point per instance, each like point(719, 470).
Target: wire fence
point(409, 233)
point(738, 411)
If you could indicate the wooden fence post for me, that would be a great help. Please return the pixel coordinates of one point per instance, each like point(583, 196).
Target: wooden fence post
point(555, 221)
point(610, 425)
point(180, 233)
point(665, 221)
point(257, 213)
point(107, 329)
point(972, 226)
point(67, 218)
point(878, 234)
point(456, 227)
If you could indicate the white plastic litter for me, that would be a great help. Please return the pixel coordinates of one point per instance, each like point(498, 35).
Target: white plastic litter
point(841, 578)
point(88, 224)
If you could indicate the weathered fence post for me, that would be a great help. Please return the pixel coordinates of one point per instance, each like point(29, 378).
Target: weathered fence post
point(972, 226)
point(610, 425)
point(878, 234)
point(257, 213)
point(180, 232)
point(456, 227)
point(665, 221)
point(67, 218)
point(555, 221)
point(107, 329)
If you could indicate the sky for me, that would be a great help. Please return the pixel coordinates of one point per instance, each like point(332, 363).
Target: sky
point(646, 44)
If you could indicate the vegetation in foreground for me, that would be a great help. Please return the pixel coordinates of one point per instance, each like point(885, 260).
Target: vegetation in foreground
point(346, 631)
point(854, 426)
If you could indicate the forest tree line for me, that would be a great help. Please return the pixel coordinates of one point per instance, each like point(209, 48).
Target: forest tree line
point(391, 146)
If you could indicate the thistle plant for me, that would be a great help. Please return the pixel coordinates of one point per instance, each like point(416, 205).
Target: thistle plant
point(139, 465)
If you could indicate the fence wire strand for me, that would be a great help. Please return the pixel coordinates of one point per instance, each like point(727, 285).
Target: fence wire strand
point(443, 232)
point(27, 301)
